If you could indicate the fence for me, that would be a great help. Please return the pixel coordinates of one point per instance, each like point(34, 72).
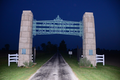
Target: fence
point(14, 58)
point(99, 59)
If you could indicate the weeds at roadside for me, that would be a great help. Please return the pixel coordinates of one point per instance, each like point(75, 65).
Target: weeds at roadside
point(85, 63)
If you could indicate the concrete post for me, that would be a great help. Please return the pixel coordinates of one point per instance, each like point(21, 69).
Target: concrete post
point(34, 54)
point(25, 38)
point(89, 41)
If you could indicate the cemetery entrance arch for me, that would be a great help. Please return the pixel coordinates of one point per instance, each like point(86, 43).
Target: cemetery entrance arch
point(31, 27)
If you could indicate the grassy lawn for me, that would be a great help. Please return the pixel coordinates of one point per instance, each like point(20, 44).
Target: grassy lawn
point(16, 73)
point(100, 73)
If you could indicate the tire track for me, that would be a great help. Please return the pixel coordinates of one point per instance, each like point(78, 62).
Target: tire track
point(44, 72)
point(63, 73)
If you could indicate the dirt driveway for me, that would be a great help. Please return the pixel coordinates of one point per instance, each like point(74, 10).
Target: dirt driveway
point(55, 69)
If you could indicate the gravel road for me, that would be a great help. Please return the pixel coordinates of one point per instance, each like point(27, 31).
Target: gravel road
point(54, 69)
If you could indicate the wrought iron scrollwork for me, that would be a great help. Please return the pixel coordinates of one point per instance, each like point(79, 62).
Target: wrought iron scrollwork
point(57, 26)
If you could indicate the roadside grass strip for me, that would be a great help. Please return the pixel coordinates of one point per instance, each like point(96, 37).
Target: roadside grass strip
point(101, 72)
point(13, 72)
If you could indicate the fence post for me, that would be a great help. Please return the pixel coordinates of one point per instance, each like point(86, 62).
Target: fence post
point(16, 58)
point(103, 60)
point(8, 60)
point(96, 58)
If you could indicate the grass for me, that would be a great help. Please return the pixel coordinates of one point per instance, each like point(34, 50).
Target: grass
point(100, 73)
point(16, 73)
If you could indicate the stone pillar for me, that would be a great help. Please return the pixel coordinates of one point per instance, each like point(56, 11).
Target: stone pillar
point(25, 38)
point(89, 41)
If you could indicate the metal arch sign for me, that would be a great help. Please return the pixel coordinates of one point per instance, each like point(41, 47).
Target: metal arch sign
point(57, 26)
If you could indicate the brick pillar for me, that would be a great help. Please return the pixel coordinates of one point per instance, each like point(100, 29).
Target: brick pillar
point(89, 41)
point(25, 38)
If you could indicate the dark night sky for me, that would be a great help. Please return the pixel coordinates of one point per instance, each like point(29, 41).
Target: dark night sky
point(106, 15)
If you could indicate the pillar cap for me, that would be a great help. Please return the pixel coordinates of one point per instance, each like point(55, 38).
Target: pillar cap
point(26, 11)
point(89, 13)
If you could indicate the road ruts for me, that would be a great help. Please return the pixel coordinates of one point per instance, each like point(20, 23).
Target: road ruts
point(55, 69)
point(63, 72)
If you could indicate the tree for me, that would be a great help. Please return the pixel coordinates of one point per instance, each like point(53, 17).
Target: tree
point(43, 45)
point(3, 49)
point(49, 47)
point(7, 46)
point(38, 48)
point(68, 49)
point(54, 48)
point(62, 46)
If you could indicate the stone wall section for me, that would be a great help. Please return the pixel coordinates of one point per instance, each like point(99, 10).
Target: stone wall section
point(89, 40)
point(25, 38)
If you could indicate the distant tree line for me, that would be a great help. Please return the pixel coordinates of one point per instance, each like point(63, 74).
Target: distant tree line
point(62, 48)
point(53, 47)
point(45, 47)
point(98, 51)
point(49, 47)
point(6, 47)
point(106, 51)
